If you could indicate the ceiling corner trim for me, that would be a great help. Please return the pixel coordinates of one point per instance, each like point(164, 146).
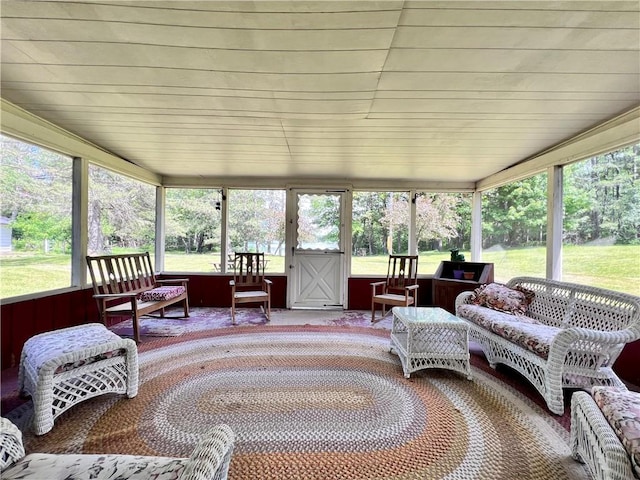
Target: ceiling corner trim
point(613, 134)
point(21, 124)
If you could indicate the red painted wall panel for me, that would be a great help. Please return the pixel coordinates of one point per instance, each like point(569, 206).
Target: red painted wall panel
point(20, 321)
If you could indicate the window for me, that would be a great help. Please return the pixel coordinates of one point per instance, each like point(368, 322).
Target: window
point(35, 221)
point(601, 239)
point(257, 224)
point(121, 213)
point(443, 222)
point(514, 227)
point(380, 227)
point(192, 230)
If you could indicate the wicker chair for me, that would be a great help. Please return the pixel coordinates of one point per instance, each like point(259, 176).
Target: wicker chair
point(595, 443)
point(209, 461)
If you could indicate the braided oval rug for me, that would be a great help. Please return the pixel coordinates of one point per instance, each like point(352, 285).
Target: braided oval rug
point(318, 403)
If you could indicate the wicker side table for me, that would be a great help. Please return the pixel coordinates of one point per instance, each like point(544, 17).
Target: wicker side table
point(430, 337)
point(61, 368)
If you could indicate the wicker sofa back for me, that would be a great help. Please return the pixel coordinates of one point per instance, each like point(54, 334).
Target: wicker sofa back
point(570, 336)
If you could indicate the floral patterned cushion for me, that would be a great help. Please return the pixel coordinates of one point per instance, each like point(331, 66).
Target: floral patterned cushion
point(621, 408)
point(50, 347)
point(162, 293)
point(39, 466)
point(521, 330)
point(86, 361)
point(502, 298)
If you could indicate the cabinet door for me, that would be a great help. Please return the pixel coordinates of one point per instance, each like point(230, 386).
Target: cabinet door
point(446, 291)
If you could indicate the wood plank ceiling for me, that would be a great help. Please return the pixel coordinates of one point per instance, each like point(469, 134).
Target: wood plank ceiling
point(371, 91)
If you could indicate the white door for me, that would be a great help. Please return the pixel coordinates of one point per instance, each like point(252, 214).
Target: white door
point(316, 267)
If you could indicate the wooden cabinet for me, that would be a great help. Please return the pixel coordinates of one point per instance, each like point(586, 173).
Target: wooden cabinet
point(446, 286)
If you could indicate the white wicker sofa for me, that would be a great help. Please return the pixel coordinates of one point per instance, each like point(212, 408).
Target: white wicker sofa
point(209, 461)
point(569, 335)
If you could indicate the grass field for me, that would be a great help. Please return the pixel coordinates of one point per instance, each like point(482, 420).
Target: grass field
point(615, 267)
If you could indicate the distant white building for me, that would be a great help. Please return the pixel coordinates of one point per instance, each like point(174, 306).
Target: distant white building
point(5, 235)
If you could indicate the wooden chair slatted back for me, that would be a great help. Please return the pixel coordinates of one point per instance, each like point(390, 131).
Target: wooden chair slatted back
point(121, 273)
point(402, 272)
point(248, 269)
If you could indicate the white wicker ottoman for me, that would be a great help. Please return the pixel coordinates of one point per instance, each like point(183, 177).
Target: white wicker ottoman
point(61, 368)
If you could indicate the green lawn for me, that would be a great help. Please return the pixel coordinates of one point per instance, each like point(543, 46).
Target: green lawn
point(615, 267)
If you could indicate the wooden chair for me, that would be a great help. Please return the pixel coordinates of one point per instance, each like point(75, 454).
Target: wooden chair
point(248, 284)
point(400, 287)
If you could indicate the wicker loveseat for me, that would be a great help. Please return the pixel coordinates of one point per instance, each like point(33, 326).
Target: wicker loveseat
point(567, 335)
point(209, 461)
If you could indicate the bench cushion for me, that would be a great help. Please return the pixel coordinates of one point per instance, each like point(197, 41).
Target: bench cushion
point(162, 293)
point(621, 408)
point(519, 329)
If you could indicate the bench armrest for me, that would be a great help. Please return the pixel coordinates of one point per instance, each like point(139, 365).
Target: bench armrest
point(117, 295)
point(169, 281)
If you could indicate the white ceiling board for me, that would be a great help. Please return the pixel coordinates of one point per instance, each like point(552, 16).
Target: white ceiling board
point(415, 91)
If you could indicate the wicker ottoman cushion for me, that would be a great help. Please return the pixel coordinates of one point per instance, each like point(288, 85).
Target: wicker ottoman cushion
point(621, 408)
point(86, 361)
point(162, 293)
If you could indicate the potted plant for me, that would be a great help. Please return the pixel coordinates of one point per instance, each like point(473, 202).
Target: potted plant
point(456, 256)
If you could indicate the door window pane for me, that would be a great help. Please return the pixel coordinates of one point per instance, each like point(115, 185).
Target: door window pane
point(35, 219)
point(318, 220)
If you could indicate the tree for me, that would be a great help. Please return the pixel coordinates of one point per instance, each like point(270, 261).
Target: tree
point(601, 197)
point(193, 219)
point(256, 219)
point(35, 186)
point(515, 214)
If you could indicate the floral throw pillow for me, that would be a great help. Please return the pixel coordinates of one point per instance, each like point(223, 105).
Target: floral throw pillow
point(502, 298)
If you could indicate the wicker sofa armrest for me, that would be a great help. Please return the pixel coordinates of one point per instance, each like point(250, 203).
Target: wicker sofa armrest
point(211, 458)
point(463, 298)
point(11, 447)
point(606, 345)
point(594, 442)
